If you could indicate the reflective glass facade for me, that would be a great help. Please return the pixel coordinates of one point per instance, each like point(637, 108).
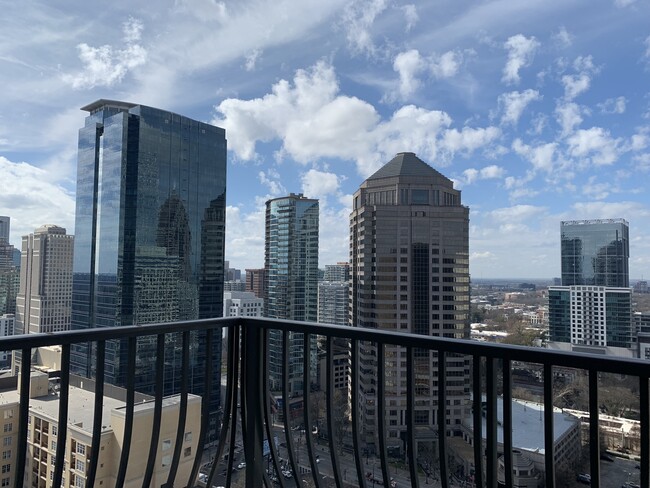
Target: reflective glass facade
point(595, 252)
point(150, 225)
point(291, 263)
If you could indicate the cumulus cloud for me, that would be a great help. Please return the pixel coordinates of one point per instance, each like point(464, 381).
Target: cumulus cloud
point(541, 157)
point(408, 65)
point(357, 19)
point(521, 51)
point(613, 105)
point(472, 175)
point(245, 236)
point(313, 121)
point(595, 146)
point(319, 184)
point(106, 65)
point(513, 104)
point(517, 213)
point(595, 190)
point(410, 15)
point(568, 115)
point(32, 197)
point(446, 65)
point(578, 83)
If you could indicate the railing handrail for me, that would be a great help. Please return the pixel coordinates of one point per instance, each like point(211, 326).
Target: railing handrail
point(580, 360)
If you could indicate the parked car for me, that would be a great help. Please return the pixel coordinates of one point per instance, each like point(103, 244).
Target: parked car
point(241, 465)
point(584, 478)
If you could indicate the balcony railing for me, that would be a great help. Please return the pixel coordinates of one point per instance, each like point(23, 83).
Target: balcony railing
point(247, 393)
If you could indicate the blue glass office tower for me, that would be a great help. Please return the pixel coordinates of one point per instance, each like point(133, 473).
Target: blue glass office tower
point(595, 252)
point(149, 246)
point(291, 263)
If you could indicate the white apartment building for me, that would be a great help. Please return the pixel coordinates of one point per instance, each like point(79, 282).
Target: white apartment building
point(242, 304)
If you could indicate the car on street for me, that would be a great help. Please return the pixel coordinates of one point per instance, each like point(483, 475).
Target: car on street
point(584, 478)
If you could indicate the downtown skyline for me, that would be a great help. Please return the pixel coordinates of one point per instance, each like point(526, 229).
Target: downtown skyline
point(539, 112)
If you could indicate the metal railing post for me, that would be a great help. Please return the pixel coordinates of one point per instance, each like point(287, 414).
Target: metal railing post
point(252, 384)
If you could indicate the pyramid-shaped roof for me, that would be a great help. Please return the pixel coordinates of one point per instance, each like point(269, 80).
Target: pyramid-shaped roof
point(405, 164)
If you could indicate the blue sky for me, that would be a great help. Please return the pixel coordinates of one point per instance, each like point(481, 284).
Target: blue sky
point(538, 110)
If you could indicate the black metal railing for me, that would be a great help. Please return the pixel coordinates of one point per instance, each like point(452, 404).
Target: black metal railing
point(248, 396)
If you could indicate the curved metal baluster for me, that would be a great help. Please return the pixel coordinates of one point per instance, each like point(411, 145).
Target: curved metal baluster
point(356, 434)
point(267, 410)
point(380, 408)
point(306, 387)
point(128, 422)
point(205, 402)
point(507, 421)
point(442, 417)
point(157, 411)
point(25, 371)
point(410, 425)
point(477, 405)
point(285, 408)
point(64, 396)
point(182, 412)
point(100, 366)
point(549, 436)
point(594, 447)
point(229, 415)
point(491, 423)
point(336, 468)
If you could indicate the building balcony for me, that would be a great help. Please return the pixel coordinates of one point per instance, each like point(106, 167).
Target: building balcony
point(315, 442)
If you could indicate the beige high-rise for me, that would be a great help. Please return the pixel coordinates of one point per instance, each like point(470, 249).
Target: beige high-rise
point(409, 250)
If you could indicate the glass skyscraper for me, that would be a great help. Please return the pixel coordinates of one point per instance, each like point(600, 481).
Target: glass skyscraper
point(291, 281)
point(149, 245)
point(595, 252)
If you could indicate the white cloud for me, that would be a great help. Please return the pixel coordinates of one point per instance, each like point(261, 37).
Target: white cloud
point(319, 184)
point(446, 65)
point(357, 19)
point(481, 255)
point(568, 115)
point(245, 236)
point(609, 210)
point(468, 139)
point(472, 175)
point(272, 180)
point(594, 190)
point(517, 214)
point(32, 197)
point(542, 157)
point(251, 59)
point(313, 121)
point(580, 82)
point(647, 48)
point(595, 146)
point(521, 51)
point(408, 64)
point(410, 15)
point(105, 65)
point(562, 37)
point(613, 105)
point(574, 85)
point(514, 103)
point(203, 10)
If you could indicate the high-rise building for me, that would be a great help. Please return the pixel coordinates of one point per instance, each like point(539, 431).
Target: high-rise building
point(149, 243)
point(9, 270)
point(242, 304)
point(7, 322)
point(595, 252)
point(231, 274)
point(591, 319)
point(592, 310)
point(409, 254)
point(235, 285)
point(5, 223)
point(291, 263)
point(255, 279)
point(44, 302)
point(337, 272)
point(333, 302)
